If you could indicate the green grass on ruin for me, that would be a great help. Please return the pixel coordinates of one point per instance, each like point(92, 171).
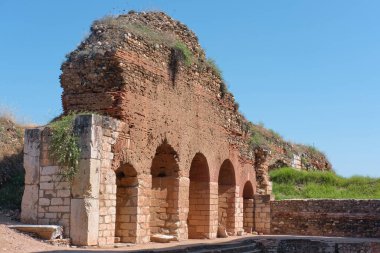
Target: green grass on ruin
point(289, 183)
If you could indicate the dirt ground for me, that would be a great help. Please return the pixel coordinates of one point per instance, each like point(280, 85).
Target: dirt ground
point(12, 241)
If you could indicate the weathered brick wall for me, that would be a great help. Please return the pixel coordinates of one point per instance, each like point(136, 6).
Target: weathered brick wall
point(170, 118)
point(171, 130)
point(351, 218)
point(133, 82)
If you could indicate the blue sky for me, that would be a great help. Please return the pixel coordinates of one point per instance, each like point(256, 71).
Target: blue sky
point(310, 70)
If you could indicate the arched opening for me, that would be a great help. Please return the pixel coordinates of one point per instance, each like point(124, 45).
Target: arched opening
point(164, 215)
point(248, 207)
point(199, 199)
point(226, 196)
point(126, 203)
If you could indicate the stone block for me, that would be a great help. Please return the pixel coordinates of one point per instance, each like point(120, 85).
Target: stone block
point(47, 232)
point(32, 142)
point(29, 205)
point(56, 201)
point(32, 167)
point(47, 186)
point(90, 136)
point(44, 202)
point(86, 182)
point(49, 170)
point(84, 220)
point(63, 193)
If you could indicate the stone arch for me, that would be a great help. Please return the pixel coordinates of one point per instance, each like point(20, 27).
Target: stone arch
point(227, 196)
point(198, 221)
point(248, 207)
point(164, 212)
point(126, 203)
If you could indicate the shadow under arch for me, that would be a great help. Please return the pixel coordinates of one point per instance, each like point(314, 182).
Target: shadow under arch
point(199, 217)
point(164, 212)
point(227, 197)
point(126, 203)
point(248, 207)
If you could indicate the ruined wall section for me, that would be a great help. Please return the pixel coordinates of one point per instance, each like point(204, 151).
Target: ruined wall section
point(346, 218)
point(132, 80)
point(47, 194)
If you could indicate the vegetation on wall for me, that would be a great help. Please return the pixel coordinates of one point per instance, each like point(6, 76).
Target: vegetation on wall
point(64, 146)
point(263, 137)
point(289, 183)
point(184, 54)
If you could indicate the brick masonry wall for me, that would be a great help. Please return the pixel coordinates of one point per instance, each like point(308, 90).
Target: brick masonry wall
point(350, 218)
point(134, 84)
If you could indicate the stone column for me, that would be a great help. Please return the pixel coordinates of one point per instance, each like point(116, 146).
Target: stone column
point(262, 213)
point(239, 214)
point(84, 217)
point(183, 207)
point(143, 212)
point(248, 215)
point(29, 206)
point(213, 210)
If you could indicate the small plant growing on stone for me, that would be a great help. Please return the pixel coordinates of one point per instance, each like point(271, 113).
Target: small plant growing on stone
point(184, 53)
point(64, 146)
point(179, 53)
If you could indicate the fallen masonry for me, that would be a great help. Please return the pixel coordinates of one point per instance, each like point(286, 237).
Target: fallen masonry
point(47, 232)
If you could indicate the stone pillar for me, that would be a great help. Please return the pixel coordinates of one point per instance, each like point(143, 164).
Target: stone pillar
point(183, 207)
point(262, 213)
point(238, 214)
point(29, 206)
point(84, 216)
point(143, 212)
point(248, 215)
point(213, 210)
point(264, 186)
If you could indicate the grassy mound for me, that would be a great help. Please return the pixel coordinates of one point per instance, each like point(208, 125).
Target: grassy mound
point(289, 183)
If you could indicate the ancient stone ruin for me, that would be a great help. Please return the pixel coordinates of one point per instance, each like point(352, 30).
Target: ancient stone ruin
point(164, 152)
point(163, 148)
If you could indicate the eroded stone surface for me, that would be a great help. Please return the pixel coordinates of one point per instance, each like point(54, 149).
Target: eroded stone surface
point(47, 232)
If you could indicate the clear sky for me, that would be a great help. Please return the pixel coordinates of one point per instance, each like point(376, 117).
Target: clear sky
point(310, 70)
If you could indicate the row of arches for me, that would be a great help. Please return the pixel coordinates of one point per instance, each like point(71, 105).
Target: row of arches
point(196, 209)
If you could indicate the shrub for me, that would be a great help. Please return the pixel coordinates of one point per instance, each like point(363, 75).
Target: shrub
point(214, 67)
point(64, 146)
point(184, 53)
